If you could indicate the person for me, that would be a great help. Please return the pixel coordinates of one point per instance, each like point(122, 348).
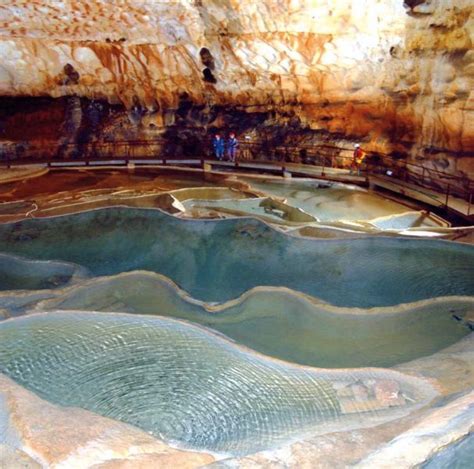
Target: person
point(246, 153)
point(218, 144)
point(357, 159)
point(232, 144)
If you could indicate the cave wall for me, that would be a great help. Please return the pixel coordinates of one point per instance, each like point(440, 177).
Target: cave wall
point(397, 76)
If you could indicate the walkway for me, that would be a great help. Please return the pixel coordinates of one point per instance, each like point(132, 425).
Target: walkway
point(427, 196)
point(430, 197)
point(420, 194)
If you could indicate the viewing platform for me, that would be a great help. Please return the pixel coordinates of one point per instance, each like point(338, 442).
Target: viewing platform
point(439, 199)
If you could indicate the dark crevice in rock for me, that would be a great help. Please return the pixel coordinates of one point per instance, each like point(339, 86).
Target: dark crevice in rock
point(71, 75)
point(70, 128)
point(395, 51)
point(185, 106)
point(208, 76)
point(206, 58)
point(77, 127)
point(413, 3)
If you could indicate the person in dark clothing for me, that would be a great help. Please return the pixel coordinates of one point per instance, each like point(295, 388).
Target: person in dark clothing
point(219, 145)
point(232, 144)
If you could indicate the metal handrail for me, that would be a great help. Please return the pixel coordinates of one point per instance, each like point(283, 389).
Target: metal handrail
point(323, 155)
point(309, 151)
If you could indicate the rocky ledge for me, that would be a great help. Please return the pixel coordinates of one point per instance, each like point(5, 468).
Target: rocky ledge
point(35, 433)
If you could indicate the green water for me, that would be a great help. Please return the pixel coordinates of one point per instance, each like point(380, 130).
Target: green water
point(220, 260)
point(183, 384)
point(283, 325)
point(457, 456)
point(26, 274)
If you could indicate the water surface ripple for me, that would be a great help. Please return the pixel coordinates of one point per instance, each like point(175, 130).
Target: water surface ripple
point(283, 323)
point(189, 386)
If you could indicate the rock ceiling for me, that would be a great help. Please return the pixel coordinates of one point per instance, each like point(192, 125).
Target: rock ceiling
point(383, 71)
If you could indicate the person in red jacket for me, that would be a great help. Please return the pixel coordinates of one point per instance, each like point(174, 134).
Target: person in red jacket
point(357, 159)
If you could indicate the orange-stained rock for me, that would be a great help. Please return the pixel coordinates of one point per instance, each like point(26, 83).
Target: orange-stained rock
point(393, 77)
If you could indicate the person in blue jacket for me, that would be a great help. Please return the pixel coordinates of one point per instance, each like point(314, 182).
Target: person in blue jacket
point(232, 144)
point(218, 144)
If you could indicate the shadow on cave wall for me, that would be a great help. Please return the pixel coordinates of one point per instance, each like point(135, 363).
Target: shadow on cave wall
point(73, 127)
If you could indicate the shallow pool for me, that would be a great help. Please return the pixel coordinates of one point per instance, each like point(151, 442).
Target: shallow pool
point(285, 324)
point(330, 201)
point(457, 456)
point(188, 386)
point(220, 260)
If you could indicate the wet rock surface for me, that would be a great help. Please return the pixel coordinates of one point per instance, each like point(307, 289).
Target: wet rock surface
point(356, 394)
point(39, 434)
point(184, 384)
point(303, 80)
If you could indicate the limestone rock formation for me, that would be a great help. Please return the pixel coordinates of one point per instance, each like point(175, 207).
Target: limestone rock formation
point(396, 75)
point(39, 434)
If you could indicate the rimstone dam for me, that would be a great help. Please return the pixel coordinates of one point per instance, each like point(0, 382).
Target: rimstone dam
point(236, 234)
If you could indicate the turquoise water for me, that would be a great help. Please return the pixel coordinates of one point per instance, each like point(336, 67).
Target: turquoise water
point(26, 274)
point(185, 385)
point(220, 260)
point(285, 325)
point(457, 456)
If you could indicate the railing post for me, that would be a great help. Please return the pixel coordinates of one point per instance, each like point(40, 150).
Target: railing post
point(324, 163)
point(447, 196)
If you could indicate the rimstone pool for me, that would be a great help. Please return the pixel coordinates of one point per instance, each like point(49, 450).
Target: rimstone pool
point(231, 336)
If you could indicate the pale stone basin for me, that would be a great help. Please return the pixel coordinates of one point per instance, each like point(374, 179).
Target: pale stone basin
point(279, 322)
point(333, 303)
point(332, 202)
point(185, 385)
point(220, 260)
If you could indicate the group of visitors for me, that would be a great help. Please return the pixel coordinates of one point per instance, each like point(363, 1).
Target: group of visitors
point(222, 146)
point(228, 147)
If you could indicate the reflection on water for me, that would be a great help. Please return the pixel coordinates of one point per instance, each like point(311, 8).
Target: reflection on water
point(220, 260)
point(188, 386)
point(195, 388)
point(83, 180)
point(307, 201)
